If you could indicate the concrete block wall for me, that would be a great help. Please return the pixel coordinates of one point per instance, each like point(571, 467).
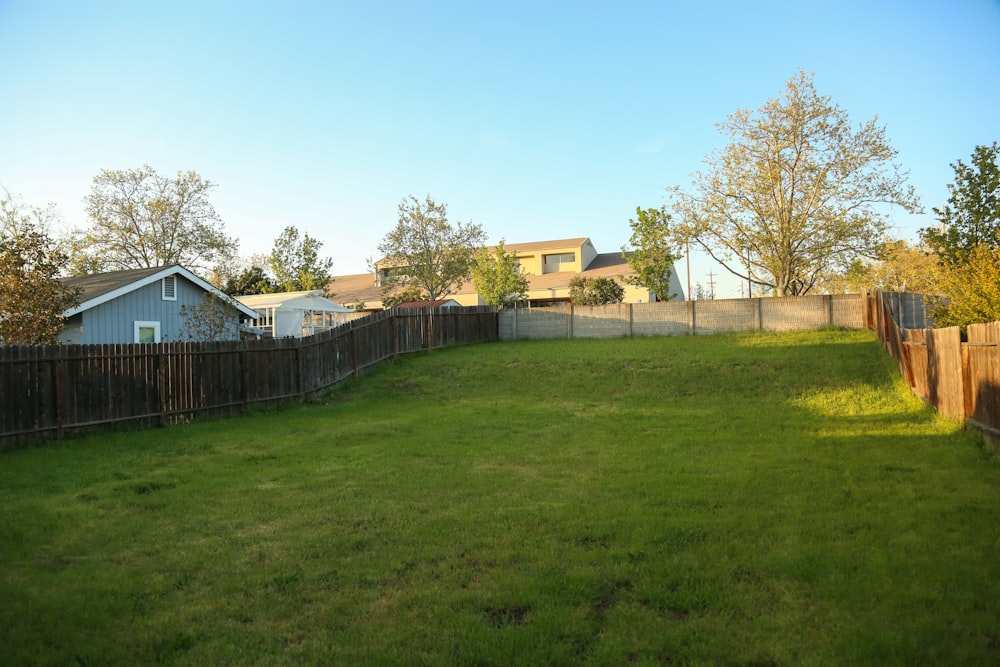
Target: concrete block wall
point(683, 317)
point(608, 321)
point(664, 318)
point(726, 315)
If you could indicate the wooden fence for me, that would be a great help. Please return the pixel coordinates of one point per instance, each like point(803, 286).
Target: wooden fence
point(961, 380)
point(49, 391)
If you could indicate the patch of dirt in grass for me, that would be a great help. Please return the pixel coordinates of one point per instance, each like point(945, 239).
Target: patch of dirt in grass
point(507, 615)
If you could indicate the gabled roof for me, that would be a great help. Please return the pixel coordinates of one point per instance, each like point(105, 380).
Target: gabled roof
point(359, 287)
point(99, 288)
point(307, 300)
point(542, 245)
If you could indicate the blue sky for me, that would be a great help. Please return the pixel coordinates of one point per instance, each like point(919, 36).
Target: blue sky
point(538, 120)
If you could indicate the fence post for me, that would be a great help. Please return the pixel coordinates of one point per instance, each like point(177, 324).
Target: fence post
point(244, 380)
point(394, 336)
point(968, 399)
point(569, 321)
point(58, 373)
point(630, 328)
point(692, 319)
point(759, 304)
point(161, 384)
point(354, 346)
point(829, 306)
point(298, 369)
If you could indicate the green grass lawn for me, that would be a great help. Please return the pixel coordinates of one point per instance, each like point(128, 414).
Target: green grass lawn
point(730, 500)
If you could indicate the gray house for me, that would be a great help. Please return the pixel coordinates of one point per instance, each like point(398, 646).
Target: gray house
point(144, 306)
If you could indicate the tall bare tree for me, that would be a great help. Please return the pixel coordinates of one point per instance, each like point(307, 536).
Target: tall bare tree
point(797, 191)
point(141, 219)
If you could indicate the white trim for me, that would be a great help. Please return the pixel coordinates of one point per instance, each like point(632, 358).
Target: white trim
point(148, 280)
point(145, 324)
point(169, 295)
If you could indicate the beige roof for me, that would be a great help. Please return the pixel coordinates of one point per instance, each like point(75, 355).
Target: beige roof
point(543, 245)
point(359, 287)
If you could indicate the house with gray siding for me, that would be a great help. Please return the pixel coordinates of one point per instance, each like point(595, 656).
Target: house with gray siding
point(145, 306)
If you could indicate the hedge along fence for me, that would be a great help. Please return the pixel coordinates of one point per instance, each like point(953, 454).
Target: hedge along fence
point(49, 391)
point(667, 318)
point(961, 380)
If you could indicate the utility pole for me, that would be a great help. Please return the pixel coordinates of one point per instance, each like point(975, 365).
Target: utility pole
point(687, 251)
point(711, 285)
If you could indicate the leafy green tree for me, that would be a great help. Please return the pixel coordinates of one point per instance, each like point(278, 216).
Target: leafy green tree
point(796, 192)
point(898, 267)
point(971, 290)
point(251, 280)
point(653, 252)
point(972, 215)
point(497, 277)
point(296, 264)
point(584, 291)
point(427, 252)
point(32, 298)
point(141, 219)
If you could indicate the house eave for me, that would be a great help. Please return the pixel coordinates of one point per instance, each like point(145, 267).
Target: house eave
point(152, 278)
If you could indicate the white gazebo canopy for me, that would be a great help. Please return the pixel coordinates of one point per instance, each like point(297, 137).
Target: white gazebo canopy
point(295, 313)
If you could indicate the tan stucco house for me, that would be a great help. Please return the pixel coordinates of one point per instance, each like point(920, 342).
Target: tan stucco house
point(548, 265)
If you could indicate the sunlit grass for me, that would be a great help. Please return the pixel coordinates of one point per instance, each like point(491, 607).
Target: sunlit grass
point(760, 499)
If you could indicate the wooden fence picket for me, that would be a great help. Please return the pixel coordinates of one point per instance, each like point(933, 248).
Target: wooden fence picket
point(961, 380)
point(48, 391)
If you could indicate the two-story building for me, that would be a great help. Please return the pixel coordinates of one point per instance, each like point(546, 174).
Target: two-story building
point(548, 265)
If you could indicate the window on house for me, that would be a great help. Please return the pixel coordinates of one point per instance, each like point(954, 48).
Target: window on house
point(147, 332)
point(556, 260)
point(170, 288)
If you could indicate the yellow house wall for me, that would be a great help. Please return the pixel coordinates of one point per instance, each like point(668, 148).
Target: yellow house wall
point(534, 261)
point(632, 295)
point(467, 299)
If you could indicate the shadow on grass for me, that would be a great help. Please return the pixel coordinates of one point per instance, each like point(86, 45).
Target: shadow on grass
point(703, 500)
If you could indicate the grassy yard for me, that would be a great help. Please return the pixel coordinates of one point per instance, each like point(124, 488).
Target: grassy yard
point(729, 500)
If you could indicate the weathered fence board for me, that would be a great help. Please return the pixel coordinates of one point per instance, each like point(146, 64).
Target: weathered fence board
point(47, 391)
point(944, 371)
point(961, 380)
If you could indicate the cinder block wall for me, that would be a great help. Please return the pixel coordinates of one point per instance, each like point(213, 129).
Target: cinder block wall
point(672, 318)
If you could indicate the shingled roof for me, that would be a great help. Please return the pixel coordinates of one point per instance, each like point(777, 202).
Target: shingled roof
point(99, 288)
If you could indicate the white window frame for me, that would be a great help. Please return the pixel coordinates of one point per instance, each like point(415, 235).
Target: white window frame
point(559, 258)
point(146, 324)
point(172, 296)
